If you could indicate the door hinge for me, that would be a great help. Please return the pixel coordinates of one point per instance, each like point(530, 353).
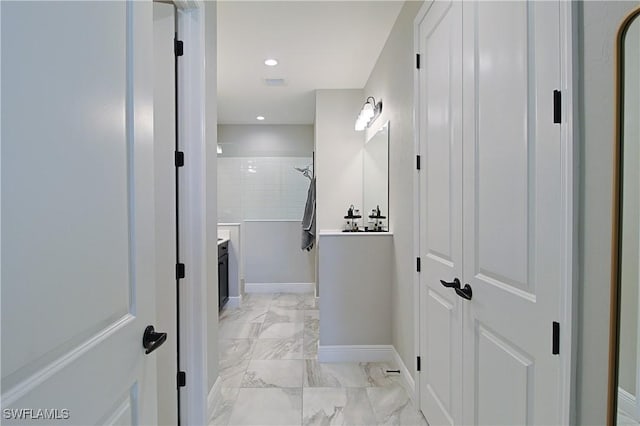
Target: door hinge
point(179, 158)
point(418, 265)
point(418, 162)
point(417, 61)
point(557, 107)
point(178, 47)
point(179, 270)
point(555, 349)
point(418, 363)
point(182, 379)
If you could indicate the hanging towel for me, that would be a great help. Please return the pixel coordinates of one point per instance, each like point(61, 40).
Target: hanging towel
point(309, 218)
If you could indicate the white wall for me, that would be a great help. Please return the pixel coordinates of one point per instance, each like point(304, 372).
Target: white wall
point(392, 81)
point(596, 33)
point(338, 150)
point(265, 140)
point(630, 255)
point(272, 253)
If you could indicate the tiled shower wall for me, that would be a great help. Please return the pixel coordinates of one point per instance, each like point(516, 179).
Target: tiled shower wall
point(251, 188)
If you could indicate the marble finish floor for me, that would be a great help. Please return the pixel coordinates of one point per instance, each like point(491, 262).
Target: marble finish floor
point(271, 376)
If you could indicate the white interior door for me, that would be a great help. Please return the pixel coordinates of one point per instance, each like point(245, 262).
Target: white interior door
point(440, 126)
point(164, 130)
point(513, 215)
point(77, 212)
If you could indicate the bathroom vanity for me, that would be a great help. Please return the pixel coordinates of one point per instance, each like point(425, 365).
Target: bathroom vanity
point(223, 271)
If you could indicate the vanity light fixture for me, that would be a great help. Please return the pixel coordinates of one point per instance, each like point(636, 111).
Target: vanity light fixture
point(271, 62)
point(370, 111)
point(259, 118)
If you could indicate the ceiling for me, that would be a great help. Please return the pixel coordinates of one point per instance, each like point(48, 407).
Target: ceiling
point(319, 45)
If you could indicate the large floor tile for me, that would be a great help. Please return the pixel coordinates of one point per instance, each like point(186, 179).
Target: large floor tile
point(277, 315)
point(224, 406)
point(336, 375)
point(232, 371)
point(243, 315)
point(272, 406)
point(281, 330)
point(279, 373)
point(300, 301)
point(336, 406)
point(310, 347)
point(235, 348)
point(278, 349)
point(239, 330)
point(256, 301)
point(392, 406)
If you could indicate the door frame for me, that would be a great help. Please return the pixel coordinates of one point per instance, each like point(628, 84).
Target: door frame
point(570, 205)
point(194, 95)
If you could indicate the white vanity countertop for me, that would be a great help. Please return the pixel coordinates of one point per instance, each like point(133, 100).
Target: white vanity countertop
point(222, 240)
point(337, 232)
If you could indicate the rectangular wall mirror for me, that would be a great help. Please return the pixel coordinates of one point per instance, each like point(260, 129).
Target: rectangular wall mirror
point(376, 178)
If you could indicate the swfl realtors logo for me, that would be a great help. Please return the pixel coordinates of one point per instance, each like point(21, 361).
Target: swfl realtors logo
point(35, 414)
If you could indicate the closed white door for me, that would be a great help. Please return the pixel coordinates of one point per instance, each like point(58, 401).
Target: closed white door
point(77, 213)
point(491, 212)
point(440, 126)
point(513, 215)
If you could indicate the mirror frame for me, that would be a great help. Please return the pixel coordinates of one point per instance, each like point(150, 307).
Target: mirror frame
point(616, 240)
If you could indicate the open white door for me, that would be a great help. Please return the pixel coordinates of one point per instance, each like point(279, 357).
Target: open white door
point(77, 213)
point(440, 127)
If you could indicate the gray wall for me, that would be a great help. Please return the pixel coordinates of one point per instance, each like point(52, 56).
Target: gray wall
point(392, 81)
point(354, 286)
point(596, 32)
point(272, 253)
point(257, 140)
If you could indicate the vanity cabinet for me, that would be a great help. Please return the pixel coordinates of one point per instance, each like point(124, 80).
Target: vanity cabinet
point(223, 274)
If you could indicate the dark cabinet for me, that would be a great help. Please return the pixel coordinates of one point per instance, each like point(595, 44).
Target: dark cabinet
point(223, 274)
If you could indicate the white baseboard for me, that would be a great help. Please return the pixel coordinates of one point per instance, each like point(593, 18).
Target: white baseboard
point(233, 302)
point(407, 378)
point(214, 396)
point(355, 353)
point(627, 403)
point(279, 287)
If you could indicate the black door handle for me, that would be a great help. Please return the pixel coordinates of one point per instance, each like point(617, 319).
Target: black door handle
point(152, 340)
point(465, 292)
point(453, 284)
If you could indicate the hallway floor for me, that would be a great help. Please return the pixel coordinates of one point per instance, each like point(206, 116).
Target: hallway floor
point(270, 373)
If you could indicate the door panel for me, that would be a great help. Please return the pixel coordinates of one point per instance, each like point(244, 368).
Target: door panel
point(504, 381)
point(512, 215)
point(507, 140)
point(439, 115)
point(77, 210)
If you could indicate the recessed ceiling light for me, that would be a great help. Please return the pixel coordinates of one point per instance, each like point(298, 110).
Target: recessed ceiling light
point(259, 118)
point(271, 62)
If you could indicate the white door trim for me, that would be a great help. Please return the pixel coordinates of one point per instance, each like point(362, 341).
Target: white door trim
point(568, 335)
point(570, 182)
point(416, 195)
point(192, 209)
